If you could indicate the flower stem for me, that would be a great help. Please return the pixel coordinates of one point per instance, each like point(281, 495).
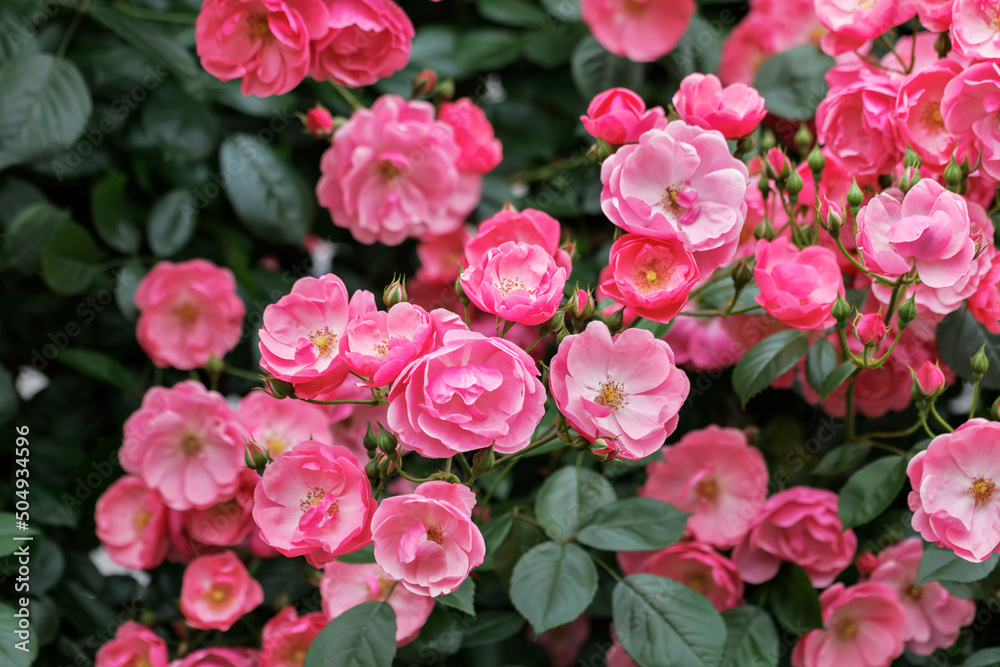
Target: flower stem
point(348, 96)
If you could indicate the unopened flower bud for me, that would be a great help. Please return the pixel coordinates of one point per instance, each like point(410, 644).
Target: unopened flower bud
point(953, 176)
point(581, 305)
point(910, 177)
point(767, 140)
point(483, 461)
point(803, 139)
point(386, 468)
point(841, 310)
point(570, 248)
point(445, 90)
point(556, 322)
point(319, 122)
point(928, 381)
point(214, 365)
point(395, 292)
point(255, 457)
point(604, 450)
point(424, 82)
point(616, 320)
point(764, 185)
point(278, 388)
point(386, 441)
point(911, 159)
point(764, 230)
point(870, 329)
point(460, 291)
point(980, 363)
point(817, 161)
point(834, 222)
point(746, 144)
point(907, 312)
point(855, 197)
point(866, 563)
point(943, 44)
point(742, 274)
point(579, 444)
point(371, 469)
point(794, 184)
point(370, 441)
point(995, 410)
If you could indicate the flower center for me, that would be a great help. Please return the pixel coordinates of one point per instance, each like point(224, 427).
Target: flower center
point(186, 313)
point(390, 172)
point(931, 116)
point(669, 202)
point(981, 489)
point(994, 24)
point(508, 285)
point(259, 26)
point(275, 445)
point(141, 519)
point(315, 497)
point(611, 395)
point(653, 276)
point(435, 534)
point(845, 629)
point(217, 595)
point(915, 592)
point(385, 585)
point(191, 445)
point(708, 489)
point(867, 4)
point(298, 656)
point(697, 582)
point(324, 340)
point(381, 348)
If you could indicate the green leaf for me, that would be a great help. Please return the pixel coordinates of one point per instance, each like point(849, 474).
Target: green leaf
point(71, 260)
point(44, 106)
point(841, 458)
point(487, 48)
point(793, 600)
point(28, 234)
point(127, 281)
point(820, 362)
point(836, 378)
point(634, 524)
point(552, 584)
point(594, 69)
point(944, 565)
point(492, 627)
point(517, 13)
point(49, 509)
point(181, 126)
point(870, 490)
point(16, 43)
point(113, 218)
point(171, 222)
point(269, 196)
point(697, 51)
point(98, 366)
point(989, 657)
point(495, 531)
point(767, 361)
point(663, 623)
point(9, 531)
point(363, 636)
point(521, 537)
point(150, 39)
point(570, 498)
point(792, 82)
point(463, 598)
point(362, 555)
point(959, 337)
point(47, 566)
point(13, 656)
point(750, 638)
point(551, 48)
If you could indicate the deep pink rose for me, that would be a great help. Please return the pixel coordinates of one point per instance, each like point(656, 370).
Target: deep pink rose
point(930, 379)
point(714, 474)
point(700, 567)
point(365, 40)
point(870, 329)
point(918, 113)
point(277, 425)
point(132, 645)
point(974, 31)
point(984, 304)
point(735, 110)
point(287, 636)
point(798, 287)
point(971, 109)
point(188, 313)
point(228, 522)
point(440, 256)
point(640, 31)
point(217, 590)
point(426, 540)
point(470, 393)
point(392, 173)
point(315, 501)
point(480, 150)
point(651, 276)
point(218, 656)
point(132, 524)
point(935, 15)
point(679, 183)
point(619, 116)
point(626, 388)
point(528, 226)
point(800, 525)
point(852, 23)
point(346, 585)
point(319, 122)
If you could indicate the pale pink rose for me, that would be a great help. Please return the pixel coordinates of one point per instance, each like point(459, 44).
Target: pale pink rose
point(934, 616)
point(349, 422)
point(277, 425)
point(800, 525)
point(132, 524)
point(365, 40)
point(287, 636)
point(625, 388)
point(217, 590)
point(346, 585)
point(703, 343)
point(798, 287)
point(935, 15)
point(974, 31)
point(517, 282)
point(863, 626)
point(186, 444)
point(226, 523)
point(528, 226)
point(133, 645)
point(188, 313)
point(619, 116)
point(300, 339)
point(440, 256)
point(481, 151)
point(853, 22)
point(640, 31)
point(735, 110)
point(679, 183)
point(953, 495)
point(426, 540)
point(700, 567)
point(918, 113)
point(220, 657)
point(984, 304)
point(714, 474)
point(470, 393)
point(392, 173)
point(651, 276)
point(563, 643)
point(266, 42)
point(315, 501)
point(970, 106)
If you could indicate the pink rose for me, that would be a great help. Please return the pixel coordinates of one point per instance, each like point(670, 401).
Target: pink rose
point(626, 388)
point(852, 23)
point(217, 590)
point(440, 256)
point(426, 540)
point(132, 524)
point(619, 116)
point(528, 226)
point(800, 525)
point(392, 173)
point(934, 616)
point(935, 15)
point(870, 329)
point(974, 28)
point(188, 313)
point(319, 122)
point(798, 287)
point(365, 40)
point(480, 150)
point(640, 31)
point(918, 113)
point(651, 276)
point(277, 425)
point(346, 585)
point(563, 643)
point(300, 338)
point(133, 644)
point(470, 393)
point(315, 501)
point(984, 304)
point(699, 567)
point(714, 474)
point(953, 482)
point(266, 42)
point(226, 523)
point(287, 636)
point(970, 105)
point(863, 625)
point(517, 282)
point(735, 110)
point(930, 379)
point(703, 343)
point(220, 657)
point(186, 444)
point(679, 183)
